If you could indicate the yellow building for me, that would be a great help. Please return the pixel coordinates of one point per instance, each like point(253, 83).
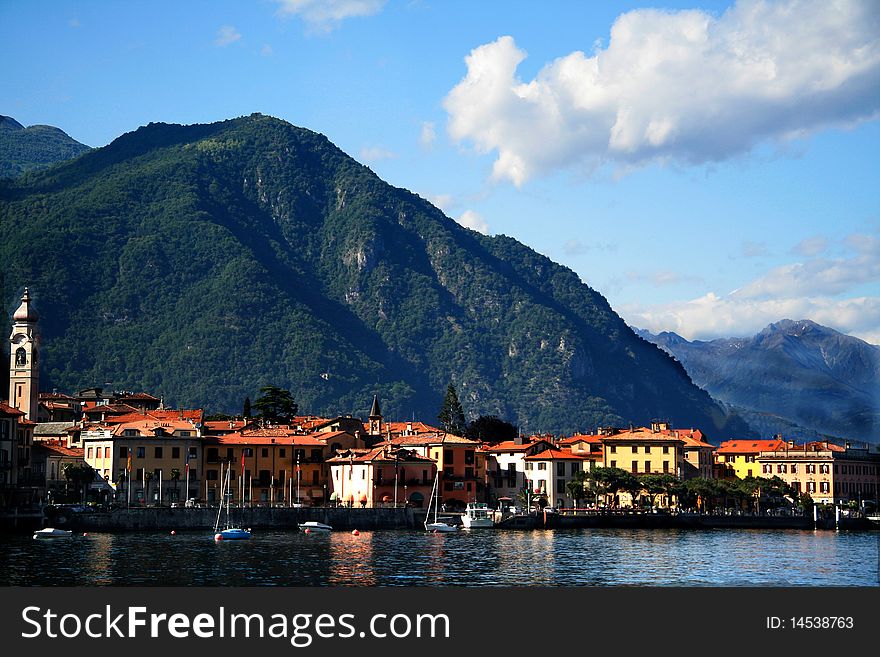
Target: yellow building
point(738, 458)
point(148, 461)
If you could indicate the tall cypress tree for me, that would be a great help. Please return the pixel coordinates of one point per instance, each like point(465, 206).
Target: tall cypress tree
point(246, 412)
point(451, 412)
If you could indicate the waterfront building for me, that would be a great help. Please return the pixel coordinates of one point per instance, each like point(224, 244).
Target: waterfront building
point(461, 462)
point(699, 455)
point(274, 464)
point(148, 455)
point(506, 466)
point(738, 458)
point(644, 451)
point(381, 476)
point(9, 450)
point(585, 445)
point(829, 473)
point(49, 458)
point(549, 472)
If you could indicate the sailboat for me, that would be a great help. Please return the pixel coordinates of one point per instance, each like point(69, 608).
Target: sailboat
point(230, 533)
point(437, 525)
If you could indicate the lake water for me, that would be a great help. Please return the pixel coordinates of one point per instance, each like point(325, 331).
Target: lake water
point(572, 557)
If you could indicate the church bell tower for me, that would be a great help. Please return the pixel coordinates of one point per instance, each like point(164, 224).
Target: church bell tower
point(24, 359)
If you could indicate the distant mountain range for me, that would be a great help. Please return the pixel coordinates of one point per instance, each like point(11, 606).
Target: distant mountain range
point(795, 376)
point(202, 262)
point(37, 147)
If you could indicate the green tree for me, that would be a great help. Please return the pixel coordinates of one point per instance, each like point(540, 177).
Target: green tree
point(576, 487)
point(633, 485)
point(80, 476)
point(491, 428)
point(606, 481)
point(246, 411)
point(451, 413)
point(275, 404)
point(658, 484)
point(175, 477)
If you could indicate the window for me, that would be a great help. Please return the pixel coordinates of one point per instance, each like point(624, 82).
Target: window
point(123, 452)
point(542, 466)
point(317, 455)
point(158, 452)
point(469, 457)
point(175, 452)
point(665, 466)
point(468, 473)
point(230, 453)
point(89, 453)
point(448, 456)
point(614, 449)
point(185, 434)
point(796, 485)
point(750, 458)
point(193, 453)
point(129, 432)
point(635, 466)
point(780, 468)
point(264, 453)
point(528, 466)
point(193, 474)
point(248, 451)
point(647, 466)
point(635, 449)
point(811, 468)
point(282, 452)
point(575, 468)
point(767, 468)
point(666, 449)
point(613, 464)
point(647, 449)
point(811, 486)
point(823, 486)
point(560, 469)
point(212, 475)
point(823, 468)
point(794, 468)
point(560, 486)
point(106, 452)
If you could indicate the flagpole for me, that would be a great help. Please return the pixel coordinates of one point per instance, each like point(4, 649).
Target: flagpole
point(160, 486)
point(289, 490)
point(186, 494)
point(251, 493)
point(272, 491)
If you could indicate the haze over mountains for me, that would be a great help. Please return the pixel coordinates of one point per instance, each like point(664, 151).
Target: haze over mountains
point(36, 147)
point(802, 373)
point(202, 262)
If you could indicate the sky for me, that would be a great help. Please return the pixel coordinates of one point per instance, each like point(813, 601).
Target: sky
point(709, 167)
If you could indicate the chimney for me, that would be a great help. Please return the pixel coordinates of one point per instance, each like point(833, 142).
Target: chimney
point(846, 445)
point(791, 444)
point(519, 440)
point(825, 444)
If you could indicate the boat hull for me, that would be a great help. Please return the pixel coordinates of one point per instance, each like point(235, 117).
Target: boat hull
point(477, 523)
point(313, 526)
point(232, 535)
point(440, 527)
point(51, 532)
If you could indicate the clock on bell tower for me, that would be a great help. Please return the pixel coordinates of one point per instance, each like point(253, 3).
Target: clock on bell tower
point(24, 359)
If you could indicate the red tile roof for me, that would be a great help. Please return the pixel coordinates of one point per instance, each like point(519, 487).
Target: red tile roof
point(511, 446)
point(380, 454)
point(9, 411)
point(750, 446)
point(435, 438)
point(555, 455)
point(57, 448)
point(642, 433)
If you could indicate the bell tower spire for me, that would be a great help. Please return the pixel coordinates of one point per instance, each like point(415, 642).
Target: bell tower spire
point(24, 359)
point(375, 417)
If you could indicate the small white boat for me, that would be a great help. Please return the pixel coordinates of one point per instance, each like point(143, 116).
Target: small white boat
point(314, 526)
point(477, 515)
point(51, 532)
point(440, 527)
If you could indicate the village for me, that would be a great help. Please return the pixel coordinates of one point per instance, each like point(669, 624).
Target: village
point(98, 448)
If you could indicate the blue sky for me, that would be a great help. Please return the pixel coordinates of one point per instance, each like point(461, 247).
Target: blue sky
point(710, 167)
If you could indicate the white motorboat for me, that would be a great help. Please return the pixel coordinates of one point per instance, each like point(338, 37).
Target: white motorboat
point(51, 532)
point(314, 526)
point(440, 527)
point(477, 515)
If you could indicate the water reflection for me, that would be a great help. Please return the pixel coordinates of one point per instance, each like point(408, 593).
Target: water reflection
point(588, 557)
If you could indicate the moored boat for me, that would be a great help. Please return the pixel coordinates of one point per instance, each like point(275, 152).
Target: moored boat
point(51, 532)
point(314, 526)
point(477, 515)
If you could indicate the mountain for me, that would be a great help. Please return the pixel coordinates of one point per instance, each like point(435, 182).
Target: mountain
point(805, 373)
point(202, 262)
point(37, 147)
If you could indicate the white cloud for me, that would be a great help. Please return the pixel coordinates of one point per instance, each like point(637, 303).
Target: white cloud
point(226, 35)
point(442, 201)
point(376, 153)
point(474, 220)
point(678, 86)
point(574, 247)
point(811, 246)
point(325, 15)
point(812, 289)
point(711, 316)
point(74, 23)
point(266, 50)
point(428, 134)
point(822, 276)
